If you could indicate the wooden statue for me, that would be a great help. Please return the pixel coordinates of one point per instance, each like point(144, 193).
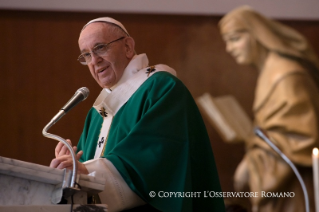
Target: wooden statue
point(286, 105)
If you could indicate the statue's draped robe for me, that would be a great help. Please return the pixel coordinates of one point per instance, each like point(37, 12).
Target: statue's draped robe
point(286, 105)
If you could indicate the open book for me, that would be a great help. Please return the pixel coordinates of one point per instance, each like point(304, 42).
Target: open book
point(227, 116)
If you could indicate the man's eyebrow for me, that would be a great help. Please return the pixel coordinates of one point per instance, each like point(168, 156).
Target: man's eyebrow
point(96, 44)
point(82, 51)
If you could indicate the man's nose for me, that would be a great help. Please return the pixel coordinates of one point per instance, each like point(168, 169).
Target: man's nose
point(95, 58)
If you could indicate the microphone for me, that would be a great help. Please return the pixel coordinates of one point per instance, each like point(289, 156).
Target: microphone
point(80, 95)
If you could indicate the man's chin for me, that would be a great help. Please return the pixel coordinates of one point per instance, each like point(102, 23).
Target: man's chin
point(106, 84)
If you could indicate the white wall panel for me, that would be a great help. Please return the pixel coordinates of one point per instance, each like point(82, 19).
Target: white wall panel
point(282, 9)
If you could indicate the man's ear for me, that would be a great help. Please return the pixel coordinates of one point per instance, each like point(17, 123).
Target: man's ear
point(129, 47)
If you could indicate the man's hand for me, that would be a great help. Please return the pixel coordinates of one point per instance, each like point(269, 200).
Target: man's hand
point(63, 158)
point(62, 149)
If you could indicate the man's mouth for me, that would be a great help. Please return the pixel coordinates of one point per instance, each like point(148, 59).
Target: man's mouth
point(102, 70)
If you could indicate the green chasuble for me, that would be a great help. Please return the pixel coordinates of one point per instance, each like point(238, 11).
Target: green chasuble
point(158, 142)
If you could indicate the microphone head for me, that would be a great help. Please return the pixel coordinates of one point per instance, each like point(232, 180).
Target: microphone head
point(84, 91)
point(80, 95)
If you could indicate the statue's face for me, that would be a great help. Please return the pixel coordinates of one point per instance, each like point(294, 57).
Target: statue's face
point(240, 45)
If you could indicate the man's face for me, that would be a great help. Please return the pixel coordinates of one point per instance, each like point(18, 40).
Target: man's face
point(108, 69)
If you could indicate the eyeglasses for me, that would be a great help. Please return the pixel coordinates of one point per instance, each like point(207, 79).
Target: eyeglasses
point(100, 50)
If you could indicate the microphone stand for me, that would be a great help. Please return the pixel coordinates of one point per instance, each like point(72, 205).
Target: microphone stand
point(58, 138)
point(80, 95)
point(260, 133)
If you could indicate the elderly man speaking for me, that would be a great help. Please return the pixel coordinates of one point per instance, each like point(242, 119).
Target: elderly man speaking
point(144, 131)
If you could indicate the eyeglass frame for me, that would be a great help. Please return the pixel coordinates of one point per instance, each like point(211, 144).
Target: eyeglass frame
point(94, 51)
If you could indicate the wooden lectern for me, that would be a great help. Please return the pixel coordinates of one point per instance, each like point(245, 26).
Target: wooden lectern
point(30, 187)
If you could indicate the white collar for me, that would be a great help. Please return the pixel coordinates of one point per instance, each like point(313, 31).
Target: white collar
point(137, 63)
point(135, 74)
point(108, 101)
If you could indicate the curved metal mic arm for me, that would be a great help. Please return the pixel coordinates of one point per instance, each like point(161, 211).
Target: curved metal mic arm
point(80, 95)
point(263, 135)
point(58, 138)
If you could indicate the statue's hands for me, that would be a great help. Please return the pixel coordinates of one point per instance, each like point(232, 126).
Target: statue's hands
point(241, 177)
